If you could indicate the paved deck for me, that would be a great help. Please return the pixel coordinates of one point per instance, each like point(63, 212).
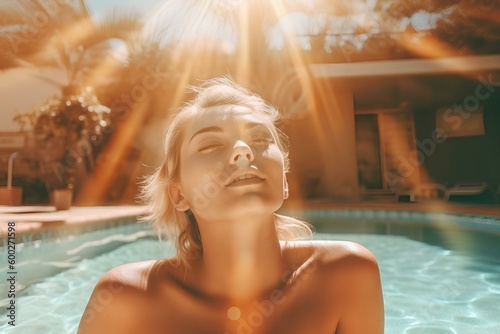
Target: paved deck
point(34, 218)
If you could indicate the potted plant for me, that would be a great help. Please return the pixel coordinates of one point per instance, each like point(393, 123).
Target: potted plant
point(11, 195)
point(67, 130)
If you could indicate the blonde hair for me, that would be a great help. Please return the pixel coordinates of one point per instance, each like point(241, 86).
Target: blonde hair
point(181, 227)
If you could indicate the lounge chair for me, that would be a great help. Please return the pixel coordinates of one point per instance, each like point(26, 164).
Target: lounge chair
point(471, 192)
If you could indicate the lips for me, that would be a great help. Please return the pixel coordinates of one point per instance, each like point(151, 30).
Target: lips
point(245, 176)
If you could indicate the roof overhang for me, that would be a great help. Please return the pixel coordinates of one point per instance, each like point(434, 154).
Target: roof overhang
point(407, 67)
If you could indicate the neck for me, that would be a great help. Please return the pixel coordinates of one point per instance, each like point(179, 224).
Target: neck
point(241, 259)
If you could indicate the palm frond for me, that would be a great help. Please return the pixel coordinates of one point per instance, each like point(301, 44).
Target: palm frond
point(115, 24)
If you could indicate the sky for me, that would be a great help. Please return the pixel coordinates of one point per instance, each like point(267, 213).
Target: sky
point(21, 90)
point(102, 6)
point(21, 95)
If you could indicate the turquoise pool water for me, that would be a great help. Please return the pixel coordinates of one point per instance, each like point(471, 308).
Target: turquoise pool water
point(427, 288)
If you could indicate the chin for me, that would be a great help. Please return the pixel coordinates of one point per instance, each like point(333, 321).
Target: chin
point(256, 204)
point(253, 204)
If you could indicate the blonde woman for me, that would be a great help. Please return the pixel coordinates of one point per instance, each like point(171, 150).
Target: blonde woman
point(239, 267)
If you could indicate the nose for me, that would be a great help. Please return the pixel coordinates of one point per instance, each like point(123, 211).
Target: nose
point(241, 155)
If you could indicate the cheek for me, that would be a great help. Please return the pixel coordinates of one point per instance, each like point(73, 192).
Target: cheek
point(202, 179)
point(195, 167)
point(271, 162)
point(274, 158)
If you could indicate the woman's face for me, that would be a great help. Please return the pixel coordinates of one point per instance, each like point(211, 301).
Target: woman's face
point(230, 165)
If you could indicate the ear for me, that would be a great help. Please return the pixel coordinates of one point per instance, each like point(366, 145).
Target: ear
point(180, 202)
point(285, 187)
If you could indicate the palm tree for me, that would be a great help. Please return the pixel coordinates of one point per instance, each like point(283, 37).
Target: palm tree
point(151, 85)
point(67, 37)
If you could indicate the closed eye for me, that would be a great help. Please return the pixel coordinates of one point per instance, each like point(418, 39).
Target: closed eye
point(209, 148)
point(263, 140)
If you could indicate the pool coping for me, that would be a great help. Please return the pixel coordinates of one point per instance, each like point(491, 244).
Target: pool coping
point(474, 217)
point(34, 219)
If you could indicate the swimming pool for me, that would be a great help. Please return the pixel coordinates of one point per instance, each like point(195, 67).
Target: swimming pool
point(428, 288)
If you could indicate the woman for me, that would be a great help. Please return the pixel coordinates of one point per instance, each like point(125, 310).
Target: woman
point(236, 269)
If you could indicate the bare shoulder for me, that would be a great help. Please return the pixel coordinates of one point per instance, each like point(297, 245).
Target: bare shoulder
point(345, 277)
point(330, 252)
point(345, 263)
point(350, 264)
point(350, 275)
point(130, 275)
point(113, 305)
point(333, 253)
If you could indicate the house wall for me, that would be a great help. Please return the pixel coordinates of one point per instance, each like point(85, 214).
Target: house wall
point(323, 146)
point(22, 89)
point(442, 160)
point(458, 159)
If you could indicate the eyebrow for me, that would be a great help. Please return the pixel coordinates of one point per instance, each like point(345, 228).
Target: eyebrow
point(249, 125)
point(208, 129)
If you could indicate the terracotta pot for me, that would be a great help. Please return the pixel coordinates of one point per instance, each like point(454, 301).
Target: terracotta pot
point(11, 196)
point(62, 198)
